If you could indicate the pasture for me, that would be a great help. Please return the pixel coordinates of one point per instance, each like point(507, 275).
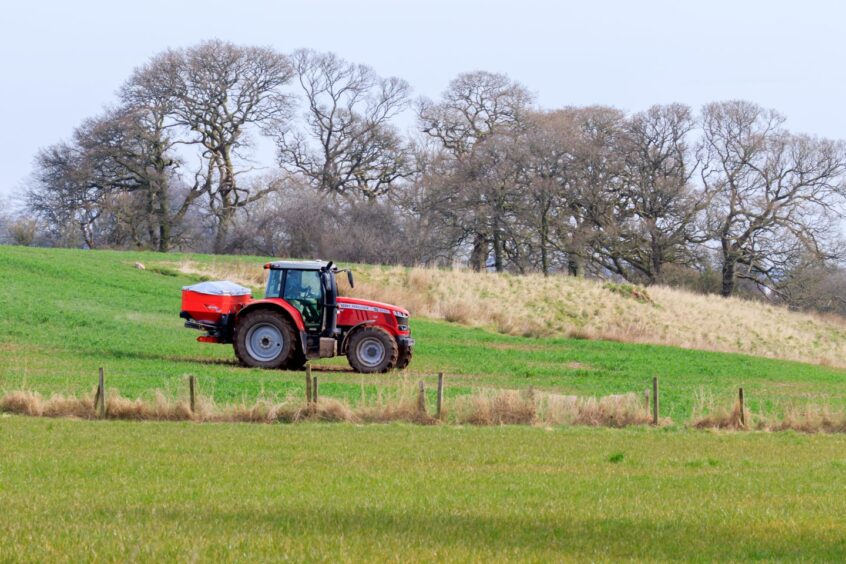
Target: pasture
point(77, 490)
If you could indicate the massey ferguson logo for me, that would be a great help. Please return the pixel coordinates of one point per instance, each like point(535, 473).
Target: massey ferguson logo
point(363, 308)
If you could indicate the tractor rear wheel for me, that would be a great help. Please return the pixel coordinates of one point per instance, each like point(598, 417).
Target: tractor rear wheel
point(264, 339)
point(298, 362)
point(372, 349)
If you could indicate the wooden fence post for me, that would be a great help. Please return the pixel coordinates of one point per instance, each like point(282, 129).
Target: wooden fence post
point(192, 384)
point(101, 394)
point(740, 401)
point(308, 383)
point(440, 394)
point(421, 398)
point(96, 399)
point(655, 400)
point(646, 399)
point(314, 388)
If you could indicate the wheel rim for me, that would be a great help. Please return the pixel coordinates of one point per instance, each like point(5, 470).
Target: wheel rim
point(371, 352)
point(264, 342)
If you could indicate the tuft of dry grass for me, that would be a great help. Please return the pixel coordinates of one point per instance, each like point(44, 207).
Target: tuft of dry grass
point(708, 414)
point(722, 418)
point(397, 403)
point(810, 419)
point(563, 306)
point(511, 407)
point(619, 410)
point(496, 407)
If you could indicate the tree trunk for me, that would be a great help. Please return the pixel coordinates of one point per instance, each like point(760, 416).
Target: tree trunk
point(543, 243)
point(657, 262)
point(575, 266)
point(223, 221)
point(729, 264)
point(163, 213)
point(149, 218)
point(479, 254)
point(497, 249)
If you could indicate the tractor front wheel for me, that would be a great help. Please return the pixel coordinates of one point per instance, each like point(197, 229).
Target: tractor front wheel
point(372, 349)
point(264, 339)
point(404, 359)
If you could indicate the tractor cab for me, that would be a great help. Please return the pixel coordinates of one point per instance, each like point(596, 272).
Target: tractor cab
point(310, 287)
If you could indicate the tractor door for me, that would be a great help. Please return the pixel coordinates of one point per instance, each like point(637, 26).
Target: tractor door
point(304, 291)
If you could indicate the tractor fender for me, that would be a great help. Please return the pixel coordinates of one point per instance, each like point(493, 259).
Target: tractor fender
point(281, 307)
point(342, 350)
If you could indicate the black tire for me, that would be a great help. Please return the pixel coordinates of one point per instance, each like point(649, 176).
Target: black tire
point(404, 359)
point(298, 362)
point(372, 349)
point(264, 339)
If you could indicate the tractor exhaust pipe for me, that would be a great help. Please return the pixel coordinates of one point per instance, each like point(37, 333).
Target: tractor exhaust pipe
point(330, 301)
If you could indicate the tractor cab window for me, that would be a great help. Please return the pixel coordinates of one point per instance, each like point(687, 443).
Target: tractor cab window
point(304, 291)
point(274, 283)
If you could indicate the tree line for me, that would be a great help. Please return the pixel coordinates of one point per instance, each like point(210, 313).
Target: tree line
point(722, 199)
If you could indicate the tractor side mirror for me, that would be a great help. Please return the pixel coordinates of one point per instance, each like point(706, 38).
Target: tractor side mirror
point(350, 279)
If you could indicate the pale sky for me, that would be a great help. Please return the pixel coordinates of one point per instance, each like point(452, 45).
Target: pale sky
point(63, 61)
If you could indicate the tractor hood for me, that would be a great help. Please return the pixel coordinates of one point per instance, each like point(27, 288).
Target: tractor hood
point(370, 305)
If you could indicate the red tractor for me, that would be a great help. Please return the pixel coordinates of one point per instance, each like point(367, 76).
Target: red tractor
point(300, 318)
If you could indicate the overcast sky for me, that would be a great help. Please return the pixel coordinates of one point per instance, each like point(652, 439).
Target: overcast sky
point(62, 61)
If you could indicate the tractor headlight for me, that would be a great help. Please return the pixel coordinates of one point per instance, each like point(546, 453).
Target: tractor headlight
point(402, 320)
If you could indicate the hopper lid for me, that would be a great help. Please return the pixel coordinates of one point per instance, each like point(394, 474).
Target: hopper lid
point(219, 288)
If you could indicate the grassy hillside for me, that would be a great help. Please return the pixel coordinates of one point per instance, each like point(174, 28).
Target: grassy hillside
point(63, 313)
point(77, 490)
point(561, 306)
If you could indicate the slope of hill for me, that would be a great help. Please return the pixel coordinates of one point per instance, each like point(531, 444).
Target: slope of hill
point(560, 306)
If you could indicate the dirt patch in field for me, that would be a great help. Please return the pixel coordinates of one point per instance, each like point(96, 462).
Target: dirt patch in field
point(528, 347)
point(208, 361)
point(574, 365)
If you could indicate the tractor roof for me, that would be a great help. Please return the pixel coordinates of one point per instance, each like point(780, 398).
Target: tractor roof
point(296, 264)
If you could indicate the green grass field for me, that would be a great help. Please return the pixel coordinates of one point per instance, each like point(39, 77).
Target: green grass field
point(64, 313)
point(116, 491)
point(112, 490)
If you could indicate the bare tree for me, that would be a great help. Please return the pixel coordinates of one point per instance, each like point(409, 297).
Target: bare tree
point(657, 205)
point(65, 193)
point(127, 152)
point(550, 144)
point(216, 93)
point(475, 106)
point(772, 194)
point(495, 181)
point(811, 285)
point(347, 146)
point(592, 185)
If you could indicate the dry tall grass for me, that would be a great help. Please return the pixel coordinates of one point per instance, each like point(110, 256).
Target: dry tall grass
point(809, 418)
point(570, 307)
point(485, 407)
